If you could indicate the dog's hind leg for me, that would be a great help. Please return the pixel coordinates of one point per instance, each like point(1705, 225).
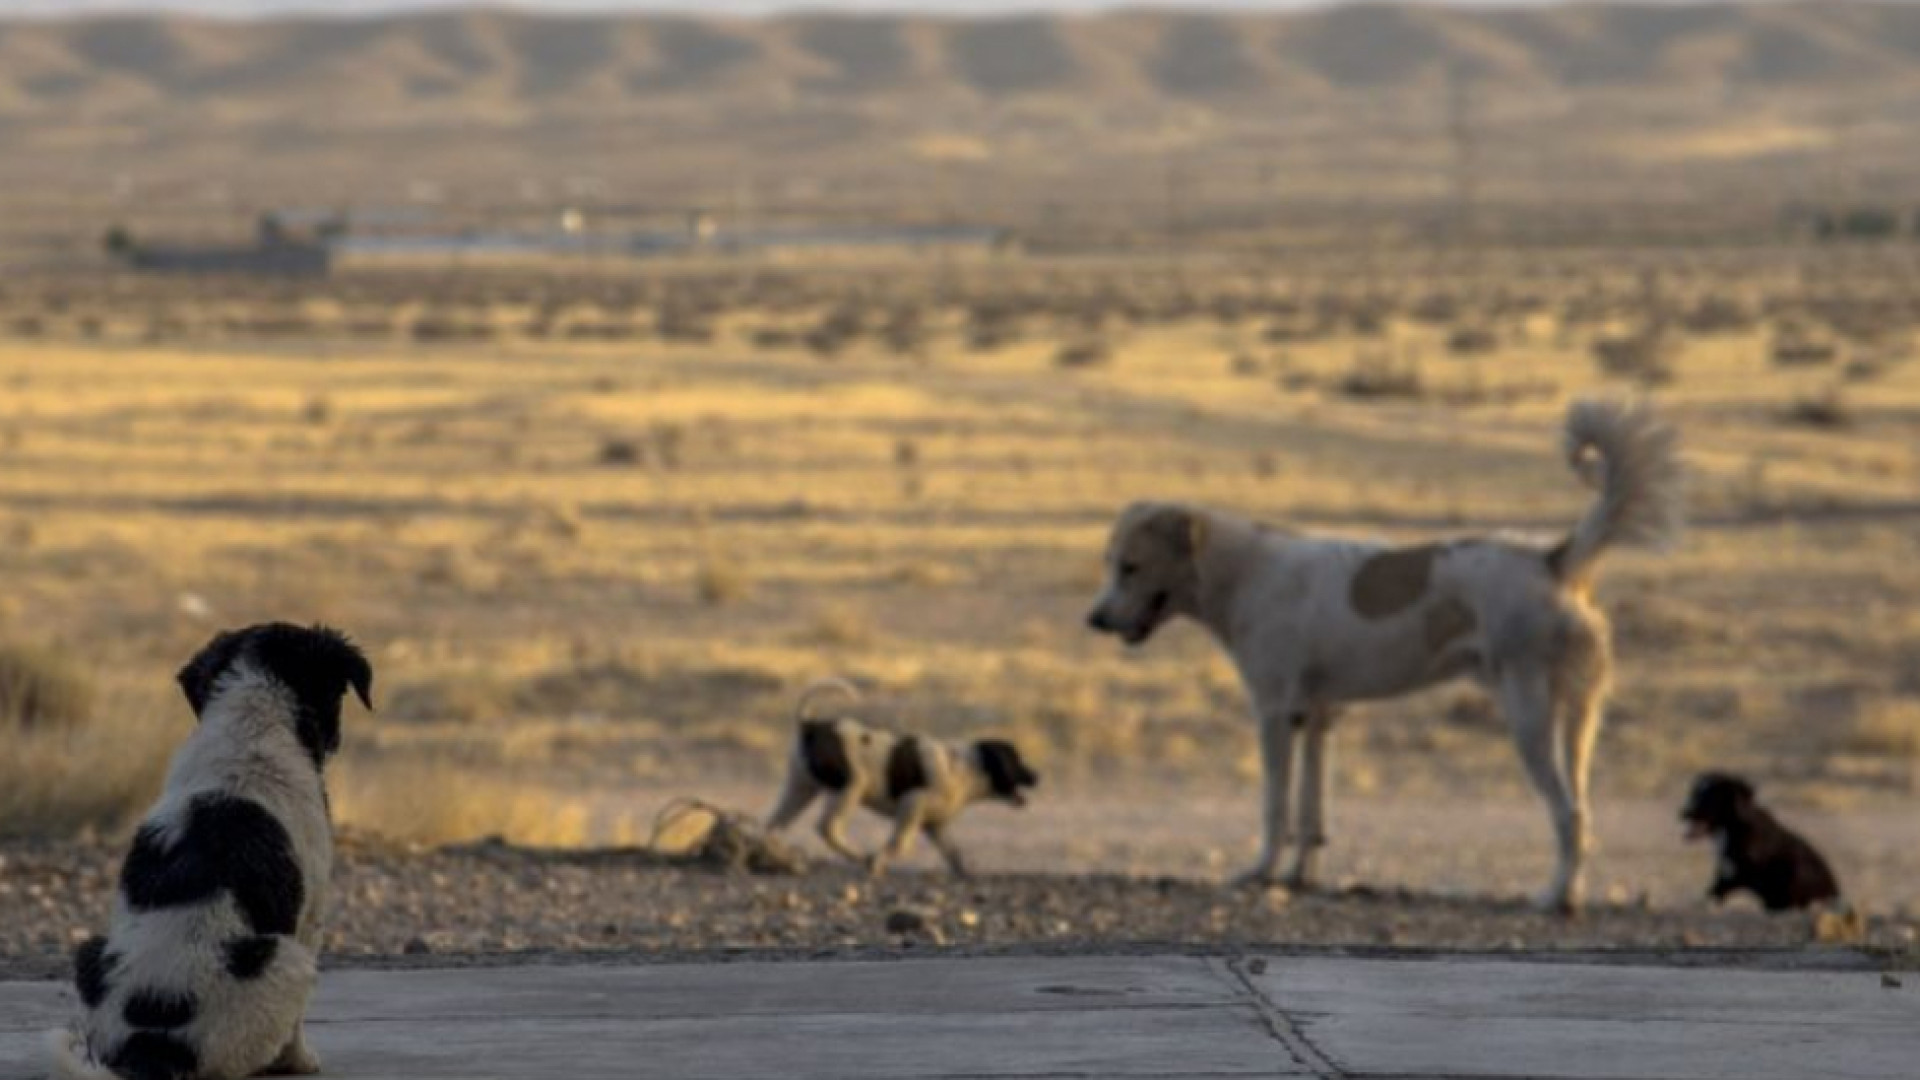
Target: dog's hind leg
point(1526, 697)
point(296, 1058)
point(1312, 833)
point(832, 827)
point(1276, 755)
point(794, 798)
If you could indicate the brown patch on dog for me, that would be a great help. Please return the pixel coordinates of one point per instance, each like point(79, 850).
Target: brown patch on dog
point(1392, 581)
point(1447, 621)
point(905, 771)
point(825, 754)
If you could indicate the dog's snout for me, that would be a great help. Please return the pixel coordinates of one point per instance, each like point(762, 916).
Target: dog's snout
point(1097, 619)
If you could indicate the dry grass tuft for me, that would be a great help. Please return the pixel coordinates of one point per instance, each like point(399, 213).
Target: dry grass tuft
point(42, 688)
point(59, 781)
point(719, 580)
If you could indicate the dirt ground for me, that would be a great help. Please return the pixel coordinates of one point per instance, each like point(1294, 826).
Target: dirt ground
point(1131, 871)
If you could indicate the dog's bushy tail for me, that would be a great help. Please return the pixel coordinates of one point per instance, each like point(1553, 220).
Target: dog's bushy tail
point(818, 687)
point(69, 1060)
point(1633, 458)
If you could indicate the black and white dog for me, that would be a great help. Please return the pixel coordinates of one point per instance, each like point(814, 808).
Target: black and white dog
point(1757, 853)
point(212, 951)
point(922, 784)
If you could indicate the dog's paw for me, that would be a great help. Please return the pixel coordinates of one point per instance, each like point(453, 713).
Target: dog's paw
point(1555, 902)
point(298, 1059)
point(1258, 877)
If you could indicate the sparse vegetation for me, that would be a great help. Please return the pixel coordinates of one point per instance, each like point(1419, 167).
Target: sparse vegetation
point(41, 687)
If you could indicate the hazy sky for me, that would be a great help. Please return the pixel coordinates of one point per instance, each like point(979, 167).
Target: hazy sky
point(950, 7)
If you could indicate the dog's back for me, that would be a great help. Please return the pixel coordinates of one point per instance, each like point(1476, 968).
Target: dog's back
point(1782, 867)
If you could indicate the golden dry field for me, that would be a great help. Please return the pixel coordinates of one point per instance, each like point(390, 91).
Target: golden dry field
point(596, 529)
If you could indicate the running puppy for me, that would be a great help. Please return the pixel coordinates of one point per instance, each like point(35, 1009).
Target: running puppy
point(920, 783)
point(206, 971)
point(1757, 853)
point(1314, 623)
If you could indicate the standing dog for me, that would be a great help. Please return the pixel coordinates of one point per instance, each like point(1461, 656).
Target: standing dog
point(1314, 623)
point(206, 971)
point(1757, 853)
point(920, 783)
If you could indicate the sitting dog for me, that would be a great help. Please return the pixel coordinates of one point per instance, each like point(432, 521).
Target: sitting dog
point(211, 955)
point(920, 783)
point(1757, 853)
point(1314, 623)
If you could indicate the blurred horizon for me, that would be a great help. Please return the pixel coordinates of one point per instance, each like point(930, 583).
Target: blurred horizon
point(352, 8)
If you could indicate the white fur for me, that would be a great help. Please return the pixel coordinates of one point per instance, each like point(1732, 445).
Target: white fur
point(244, 746)
point(1518, 619)
point(955, 780)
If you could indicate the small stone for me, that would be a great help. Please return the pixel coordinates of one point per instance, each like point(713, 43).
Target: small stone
point(1889, 980)
point(416, 946)
point(1257, 966)
point(968, 918)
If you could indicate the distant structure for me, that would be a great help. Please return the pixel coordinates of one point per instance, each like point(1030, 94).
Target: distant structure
point(276, 249)
point(299, 244)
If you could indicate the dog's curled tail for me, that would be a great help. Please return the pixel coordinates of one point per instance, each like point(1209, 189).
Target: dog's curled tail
point(1633, 458)
point(818, 687)
point(70, 1060)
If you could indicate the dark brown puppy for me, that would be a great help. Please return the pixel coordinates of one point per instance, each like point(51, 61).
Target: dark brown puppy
point(1757, 853)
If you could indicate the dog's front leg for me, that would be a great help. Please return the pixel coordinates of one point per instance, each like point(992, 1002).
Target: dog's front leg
point(1276, 757)
point(908, 820)
point(949, 850)
point(1313, 797)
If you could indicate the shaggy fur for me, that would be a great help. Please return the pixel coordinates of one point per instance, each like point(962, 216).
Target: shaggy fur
point(211, 956)
point(1315, 623)
point(1757, 853)
point(921, 784)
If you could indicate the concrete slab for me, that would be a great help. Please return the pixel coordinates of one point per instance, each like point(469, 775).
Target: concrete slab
point(1486, 1019)
point(1088, 1016)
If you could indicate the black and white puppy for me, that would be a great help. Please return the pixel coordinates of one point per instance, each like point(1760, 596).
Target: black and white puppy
point(211, 956)
point(1757, 853)
point(922, 784)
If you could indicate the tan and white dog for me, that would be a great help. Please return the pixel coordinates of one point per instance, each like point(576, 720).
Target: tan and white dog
point(1314, 623)
point(921, 784)
point(212, 952)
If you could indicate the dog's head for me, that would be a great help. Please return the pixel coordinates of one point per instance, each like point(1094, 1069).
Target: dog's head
point(1152, 570)
point(1717, 800)
point(1007, 774)
point(317, 665)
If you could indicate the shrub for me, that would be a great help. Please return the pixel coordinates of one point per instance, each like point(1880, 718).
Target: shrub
point(1378, 374)
point(42, 688)
point(1646, 355)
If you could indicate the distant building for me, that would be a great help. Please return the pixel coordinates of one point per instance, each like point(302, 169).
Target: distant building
point(276, 250)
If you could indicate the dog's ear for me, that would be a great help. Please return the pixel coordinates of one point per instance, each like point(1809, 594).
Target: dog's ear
point(196, 679)
point(319, 664)
point(1006, 772)
point(1182, 531)
point(1741, 791)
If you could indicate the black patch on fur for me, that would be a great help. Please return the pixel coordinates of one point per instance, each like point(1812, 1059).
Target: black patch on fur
point(318, 664)
point(1004, 768)
point(247, 957)
point(229, 845)
point(91, 962)
point(825, 754)
point(1761, 855)
point(160, 1009)
point(905, 770)
point(153, 1055)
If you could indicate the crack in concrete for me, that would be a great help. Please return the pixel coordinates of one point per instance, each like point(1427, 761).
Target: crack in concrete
point(1281, 1026)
